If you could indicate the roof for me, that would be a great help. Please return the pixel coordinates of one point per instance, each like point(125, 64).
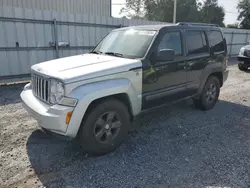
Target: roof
point(169, 25)
point(147, 27)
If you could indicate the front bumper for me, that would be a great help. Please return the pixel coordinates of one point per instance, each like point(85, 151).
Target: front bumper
point(243, 59)
point(51, 118)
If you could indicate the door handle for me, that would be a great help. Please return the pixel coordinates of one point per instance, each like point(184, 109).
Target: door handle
point(162, 67)
point(211, 61)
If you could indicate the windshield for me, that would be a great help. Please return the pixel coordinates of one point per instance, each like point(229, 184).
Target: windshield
point(129, 43)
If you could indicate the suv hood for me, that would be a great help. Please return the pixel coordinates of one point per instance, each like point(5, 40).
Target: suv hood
point(86, 66)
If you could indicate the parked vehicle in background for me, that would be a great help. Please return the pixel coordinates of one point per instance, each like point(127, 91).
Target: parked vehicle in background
point(94, 97)
point(244, 58)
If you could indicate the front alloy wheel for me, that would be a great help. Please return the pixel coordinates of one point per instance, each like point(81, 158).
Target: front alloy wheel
point(104, 127)
point(107, 127)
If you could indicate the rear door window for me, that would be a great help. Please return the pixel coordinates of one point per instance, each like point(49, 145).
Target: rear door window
point(196, 42)
point(216, 41)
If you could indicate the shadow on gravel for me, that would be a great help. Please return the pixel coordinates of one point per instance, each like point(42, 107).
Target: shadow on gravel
point(173, 146)
point(10, 94)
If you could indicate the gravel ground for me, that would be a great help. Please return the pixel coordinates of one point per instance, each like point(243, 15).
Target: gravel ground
point(172, 146)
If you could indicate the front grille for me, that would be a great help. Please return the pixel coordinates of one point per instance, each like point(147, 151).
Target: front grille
point(40, 87)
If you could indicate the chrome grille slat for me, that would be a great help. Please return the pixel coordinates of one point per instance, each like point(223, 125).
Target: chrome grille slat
point(34, 90)
point(36, 85)
point(44, 89)
point(40, 87)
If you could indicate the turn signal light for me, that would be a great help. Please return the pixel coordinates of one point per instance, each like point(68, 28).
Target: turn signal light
point(68, 117)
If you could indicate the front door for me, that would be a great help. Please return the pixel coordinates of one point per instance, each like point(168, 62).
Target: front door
point(165, 81)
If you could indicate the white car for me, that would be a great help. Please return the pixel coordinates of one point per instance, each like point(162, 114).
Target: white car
point(244, 58)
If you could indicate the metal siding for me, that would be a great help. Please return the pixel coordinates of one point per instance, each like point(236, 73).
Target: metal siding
point(4, 68)
point(2, 35)
point(14, 63)
point(21, 36)
point(4, 2)
point(24, 62)
point(79, 36)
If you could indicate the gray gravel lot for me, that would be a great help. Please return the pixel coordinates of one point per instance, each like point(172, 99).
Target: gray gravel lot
point(172, 146)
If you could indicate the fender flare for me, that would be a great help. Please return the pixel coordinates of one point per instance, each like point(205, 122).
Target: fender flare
point(88, 93)
point(207, 71)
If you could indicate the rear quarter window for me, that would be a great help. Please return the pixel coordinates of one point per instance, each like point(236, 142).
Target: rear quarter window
point(216, 41)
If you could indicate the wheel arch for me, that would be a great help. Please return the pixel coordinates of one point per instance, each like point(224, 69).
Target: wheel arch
point(218, 75)
point(92, 94)
point(211, 70)
point(122, 97)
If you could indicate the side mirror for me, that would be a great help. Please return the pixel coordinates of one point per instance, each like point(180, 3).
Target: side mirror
point(165, 55)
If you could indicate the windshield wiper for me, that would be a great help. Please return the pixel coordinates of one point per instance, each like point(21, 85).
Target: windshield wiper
point(114, 54)
point(96, 52)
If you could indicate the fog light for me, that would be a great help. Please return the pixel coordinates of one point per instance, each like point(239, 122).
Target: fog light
point(68, 117)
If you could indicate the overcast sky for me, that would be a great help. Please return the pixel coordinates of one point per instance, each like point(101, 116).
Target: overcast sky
point(229, 5)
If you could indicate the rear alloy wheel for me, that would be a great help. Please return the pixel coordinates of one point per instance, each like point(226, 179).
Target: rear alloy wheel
point(105, 127)
point(242, 67)
point(209, 95)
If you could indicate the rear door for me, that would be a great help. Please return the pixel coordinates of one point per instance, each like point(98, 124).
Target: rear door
point(218, 48)
point(198, 56)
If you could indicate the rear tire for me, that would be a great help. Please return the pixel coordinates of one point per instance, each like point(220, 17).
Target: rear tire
point(209, 95)
point(100, 133)
point(242, 67)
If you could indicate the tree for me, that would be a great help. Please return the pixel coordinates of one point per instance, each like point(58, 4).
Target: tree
point(235, 26)
point(162, 10)
point(134, 9)
point(211, 12)
point(187, 10)
point(244, 16)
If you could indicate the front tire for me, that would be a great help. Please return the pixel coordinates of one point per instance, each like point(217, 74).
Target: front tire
point(105, 127)
point(209, 95)
point(242, 67)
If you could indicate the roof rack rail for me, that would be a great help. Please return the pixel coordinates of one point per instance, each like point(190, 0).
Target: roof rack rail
point(197, 24)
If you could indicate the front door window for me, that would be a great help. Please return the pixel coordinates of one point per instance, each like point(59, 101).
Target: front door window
point(171, 40)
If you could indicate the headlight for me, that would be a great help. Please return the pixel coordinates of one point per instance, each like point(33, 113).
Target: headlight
point(56, 91)
point(242, 50)
point(247, 53)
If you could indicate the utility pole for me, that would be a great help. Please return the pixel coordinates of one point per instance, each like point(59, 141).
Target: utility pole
point(175, 7)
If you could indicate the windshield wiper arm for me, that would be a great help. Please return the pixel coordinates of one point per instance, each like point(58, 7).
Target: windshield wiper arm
point(114, 54)
point(96, 52)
